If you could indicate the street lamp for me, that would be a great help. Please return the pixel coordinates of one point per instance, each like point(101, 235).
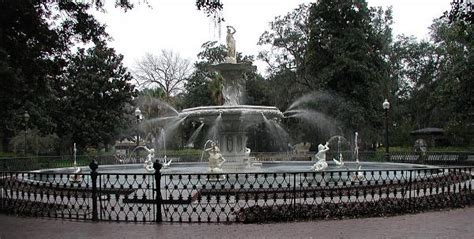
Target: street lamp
point(26, 118)
point(386, 107)
point(138, 114)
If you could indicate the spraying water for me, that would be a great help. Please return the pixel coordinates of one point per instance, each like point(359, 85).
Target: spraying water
point(163, 137)
point(76, 177)
point(214, 130)
point(193, 137)
point(276, 131)
point(315, 119)
point(338, 139)
point(74, 153)
point(170, 128)
point(315, 97)
point(154, 105)
point(161, 120)
point(356, 147)
point(204, 148)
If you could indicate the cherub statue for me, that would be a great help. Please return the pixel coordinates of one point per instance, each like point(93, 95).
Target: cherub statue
point(321, 163)
point(148, 164)
point(215, 158)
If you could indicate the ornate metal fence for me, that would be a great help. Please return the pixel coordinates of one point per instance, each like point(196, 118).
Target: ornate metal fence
point(254, 197)
point(47, 195)
point(233, 197)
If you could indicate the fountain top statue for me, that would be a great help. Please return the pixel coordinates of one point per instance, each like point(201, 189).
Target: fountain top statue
point(231, 52)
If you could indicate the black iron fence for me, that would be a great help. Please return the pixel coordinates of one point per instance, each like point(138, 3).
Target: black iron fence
point(233, 197)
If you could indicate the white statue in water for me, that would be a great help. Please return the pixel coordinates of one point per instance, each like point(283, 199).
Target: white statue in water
point(215, 158)
point(339, 162)
point(321, 163)
point(359, 175)
point(148, 164)
point(231, 52)
point(166, 162)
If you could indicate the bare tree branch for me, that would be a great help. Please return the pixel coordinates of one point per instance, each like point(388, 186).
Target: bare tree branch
point(167, 70)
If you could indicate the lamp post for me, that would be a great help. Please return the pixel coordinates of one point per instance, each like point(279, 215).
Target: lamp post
point(138, 114)
point(26, 118)
point(386, 107)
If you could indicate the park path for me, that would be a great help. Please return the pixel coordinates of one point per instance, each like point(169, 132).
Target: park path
point(458, 223)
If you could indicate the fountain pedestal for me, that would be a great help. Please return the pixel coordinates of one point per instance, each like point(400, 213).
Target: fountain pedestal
point(233, 88)
point(233, 140)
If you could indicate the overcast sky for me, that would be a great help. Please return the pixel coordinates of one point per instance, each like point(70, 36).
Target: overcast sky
point(177, 25)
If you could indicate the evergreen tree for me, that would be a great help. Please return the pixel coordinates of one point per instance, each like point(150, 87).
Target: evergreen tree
point(346, 56)
point(96, 97)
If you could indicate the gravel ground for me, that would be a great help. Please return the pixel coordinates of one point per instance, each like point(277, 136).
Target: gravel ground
point(457, 223)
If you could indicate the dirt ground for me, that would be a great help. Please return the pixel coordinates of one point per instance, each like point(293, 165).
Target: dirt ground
point(457, 223)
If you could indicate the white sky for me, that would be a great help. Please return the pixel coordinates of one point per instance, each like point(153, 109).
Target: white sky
point(177, 25)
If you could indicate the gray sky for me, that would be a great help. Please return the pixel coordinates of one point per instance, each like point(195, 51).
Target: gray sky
point(178, 26)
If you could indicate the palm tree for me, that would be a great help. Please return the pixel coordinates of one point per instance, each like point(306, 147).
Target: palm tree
point(215, 86)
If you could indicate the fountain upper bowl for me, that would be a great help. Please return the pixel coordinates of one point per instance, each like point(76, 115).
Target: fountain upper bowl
point(242, 112)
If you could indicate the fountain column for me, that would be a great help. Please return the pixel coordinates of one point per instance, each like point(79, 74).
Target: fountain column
point(232, 135)
point(234, 81)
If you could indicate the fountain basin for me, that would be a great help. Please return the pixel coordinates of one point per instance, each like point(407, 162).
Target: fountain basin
point(231, 123)
point(266, 167)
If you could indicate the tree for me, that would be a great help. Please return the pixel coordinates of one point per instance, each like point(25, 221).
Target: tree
point(35, 40)
point(461, 12)
point(167, 71)
point(204, 87)
point(449, 92)
point(96, 97)
point(288, 39)
point(434, 80)
point(35, 37)
point(346, 56)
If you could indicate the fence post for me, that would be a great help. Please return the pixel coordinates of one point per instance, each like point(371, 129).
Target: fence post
point(94, 166)
point(410, 189)
point(294, 195)
point(157, 166)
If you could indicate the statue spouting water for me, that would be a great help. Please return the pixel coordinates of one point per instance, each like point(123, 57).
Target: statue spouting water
point(321, 163)
point(215, 158)
point(231, 52)
point(148, 164)
point(358, 176)
point(339, 162)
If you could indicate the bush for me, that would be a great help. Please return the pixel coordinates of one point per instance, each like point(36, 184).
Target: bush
point(35, 142)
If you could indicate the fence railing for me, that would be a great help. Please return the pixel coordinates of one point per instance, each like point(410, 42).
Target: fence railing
point(233, 197)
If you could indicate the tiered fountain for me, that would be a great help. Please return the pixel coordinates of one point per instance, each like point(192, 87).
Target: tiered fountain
point(231, 120)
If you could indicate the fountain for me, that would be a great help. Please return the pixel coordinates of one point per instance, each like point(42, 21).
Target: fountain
point(226, 151)
point(230, 121)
